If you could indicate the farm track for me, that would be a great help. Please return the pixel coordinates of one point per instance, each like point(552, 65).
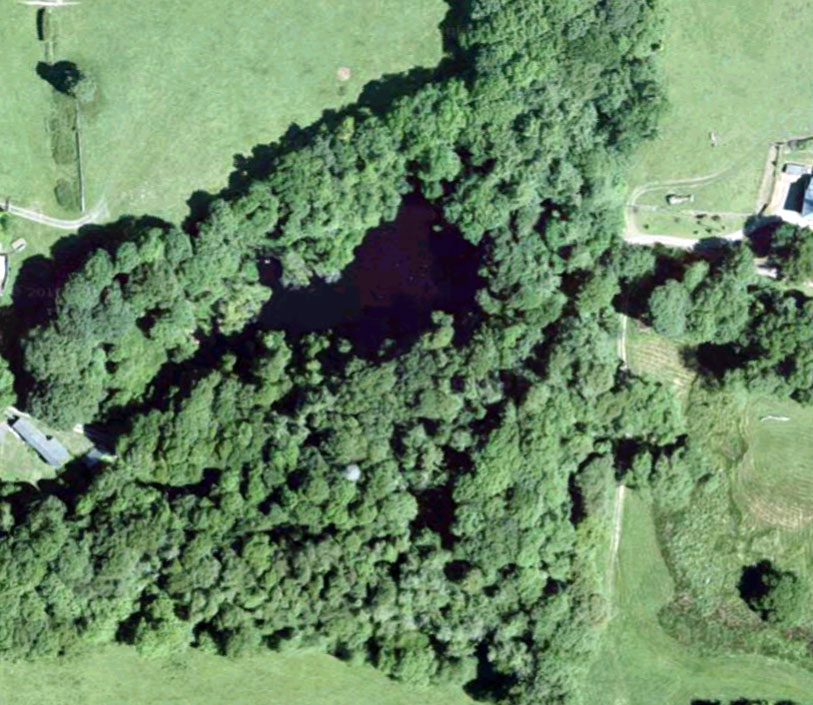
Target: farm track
point(92, 216)
point(615, 538)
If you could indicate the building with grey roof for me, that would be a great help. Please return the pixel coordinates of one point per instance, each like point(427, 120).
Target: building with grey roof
point(797, 169)
point(49, 449)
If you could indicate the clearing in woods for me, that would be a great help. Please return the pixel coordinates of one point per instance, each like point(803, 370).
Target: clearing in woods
point(655, 357)
point(729, 69)
point(775, 479)
point(116, 674)
point(639, 664)
point(20, 463)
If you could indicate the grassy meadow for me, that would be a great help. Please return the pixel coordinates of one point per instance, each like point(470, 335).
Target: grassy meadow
point(639, 664)
point(654, 357)
point(672, 221)
point(118, 675)
point(185, 86)
point(730, 67)
point(27, 172)
point(775, 480)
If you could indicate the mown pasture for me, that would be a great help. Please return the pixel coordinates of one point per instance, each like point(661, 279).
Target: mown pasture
point(775, 479)
point(117, 674)
point(639, 664)
point(730, 68)
point(185, 86)
point(27, 171)
point(182, 89)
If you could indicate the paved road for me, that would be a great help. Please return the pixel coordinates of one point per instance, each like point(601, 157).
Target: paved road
point(92, 216)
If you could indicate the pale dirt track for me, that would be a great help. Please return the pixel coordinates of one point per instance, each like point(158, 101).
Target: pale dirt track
point(615, 537)
point(92, 216)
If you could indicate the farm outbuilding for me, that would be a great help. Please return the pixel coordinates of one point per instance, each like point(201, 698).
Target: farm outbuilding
point(50, 449)
point(793, 169)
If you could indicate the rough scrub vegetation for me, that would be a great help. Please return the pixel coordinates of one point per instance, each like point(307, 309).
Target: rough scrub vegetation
point(432, 507)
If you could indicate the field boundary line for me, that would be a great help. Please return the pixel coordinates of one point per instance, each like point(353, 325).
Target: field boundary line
point(79, 164)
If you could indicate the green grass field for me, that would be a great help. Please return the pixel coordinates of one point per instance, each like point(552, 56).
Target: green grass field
point(118, 675)
point(775, 481)
point(730, 67)
point(673, 221)
point(27, 172)
point(639, 664)
point(176, 105)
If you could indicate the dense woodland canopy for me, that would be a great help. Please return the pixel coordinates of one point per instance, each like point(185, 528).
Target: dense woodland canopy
point(432, 506)
point(742, 330)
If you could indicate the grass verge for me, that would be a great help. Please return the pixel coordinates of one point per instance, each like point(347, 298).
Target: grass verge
point(118, 675)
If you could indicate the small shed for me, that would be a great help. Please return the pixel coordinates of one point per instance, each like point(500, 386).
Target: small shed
point(676, 199)
point(49, 449)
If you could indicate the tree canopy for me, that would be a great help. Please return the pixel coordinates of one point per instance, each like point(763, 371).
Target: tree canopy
point(486, 446)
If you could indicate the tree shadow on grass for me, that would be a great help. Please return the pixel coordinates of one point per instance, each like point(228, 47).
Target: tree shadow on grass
point(63, 76)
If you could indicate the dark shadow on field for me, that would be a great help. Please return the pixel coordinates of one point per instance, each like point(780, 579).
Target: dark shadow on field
point(63, 76)
point(796, 194)
point(41, 26)
point(379, 95)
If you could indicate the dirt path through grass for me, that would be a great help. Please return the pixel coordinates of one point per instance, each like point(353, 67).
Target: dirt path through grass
point(92, 216)
point(615, 539)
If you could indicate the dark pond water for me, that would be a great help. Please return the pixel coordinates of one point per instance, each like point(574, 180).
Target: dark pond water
point(402, 271)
